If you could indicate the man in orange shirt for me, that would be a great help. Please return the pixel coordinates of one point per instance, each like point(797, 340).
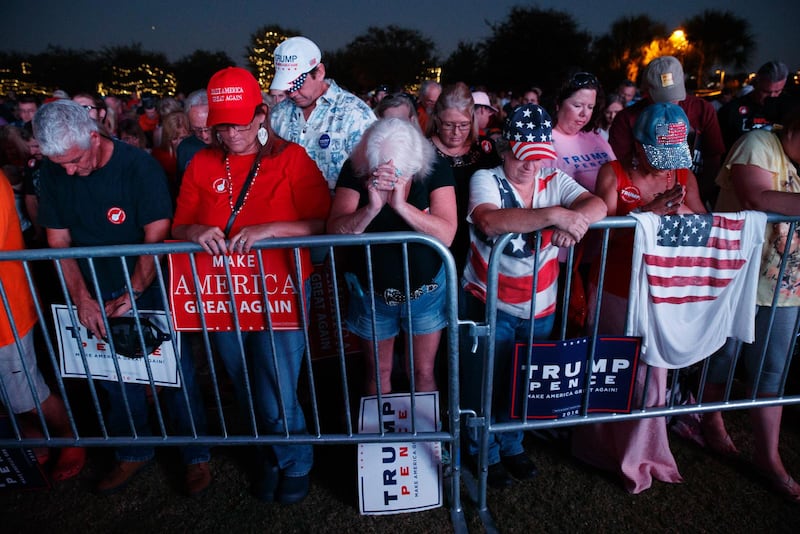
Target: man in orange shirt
point(17, 353)
point(429, 93)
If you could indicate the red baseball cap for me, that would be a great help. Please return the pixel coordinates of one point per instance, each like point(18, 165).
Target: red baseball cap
point(233, 94)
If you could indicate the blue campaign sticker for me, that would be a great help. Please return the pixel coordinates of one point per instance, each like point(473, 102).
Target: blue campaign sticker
point(324, 140)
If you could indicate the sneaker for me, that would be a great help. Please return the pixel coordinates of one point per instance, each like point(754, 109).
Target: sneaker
point(198, 478)
point(120, 476)
point(292, 489)
point(497, 476)
point(520, 466)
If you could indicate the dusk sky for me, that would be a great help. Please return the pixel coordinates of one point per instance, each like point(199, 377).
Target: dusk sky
point(179, 27)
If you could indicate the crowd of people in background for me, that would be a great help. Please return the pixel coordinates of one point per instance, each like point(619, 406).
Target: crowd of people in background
point(462, 164)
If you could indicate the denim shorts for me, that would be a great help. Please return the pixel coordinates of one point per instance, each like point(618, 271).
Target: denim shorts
point(427, 313)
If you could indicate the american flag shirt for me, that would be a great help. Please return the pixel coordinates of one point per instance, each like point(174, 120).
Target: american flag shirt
point(490, 186)
point(693, 283)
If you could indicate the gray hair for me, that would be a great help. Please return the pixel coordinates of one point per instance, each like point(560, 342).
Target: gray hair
point(195, 98)
point(169, 105)
point(458, 97)
point(62, 125)
point(426, 85)
point(773, 71)
point(396, 101)
point(397, 140)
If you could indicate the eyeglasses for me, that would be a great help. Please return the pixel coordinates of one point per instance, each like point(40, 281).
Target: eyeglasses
point(461, 126)
point(583, 79)
point(225, 128)
point(201, 131)
point(87, 107)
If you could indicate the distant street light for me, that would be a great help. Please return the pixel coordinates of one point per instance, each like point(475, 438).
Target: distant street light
point(721, 74)
point(678, 40)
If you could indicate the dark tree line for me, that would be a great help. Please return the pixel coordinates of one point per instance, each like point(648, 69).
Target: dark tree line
point(530, 46)
point(84, 70)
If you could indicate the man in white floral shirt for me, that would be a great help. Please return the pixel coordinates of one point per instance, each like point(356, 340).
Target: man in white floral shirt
point(318, 115)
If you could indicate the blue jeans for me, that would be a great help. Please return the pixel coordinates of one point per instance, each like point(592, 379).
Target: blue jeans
point(175, 413)
point(509, 331)
point(294, 460)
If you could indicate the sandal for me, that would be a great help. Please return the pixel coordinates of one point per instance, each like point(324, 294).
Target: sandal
point(722, 445)
point(786, 487)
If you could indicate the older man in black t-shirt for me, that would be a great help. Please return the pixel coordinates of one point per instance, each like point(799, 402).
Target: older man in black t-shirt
point(99, 191)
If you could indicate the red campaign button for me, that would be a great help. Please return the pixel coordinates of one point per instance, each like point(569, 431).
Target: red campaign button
point(116, 215)
point(220, 185)
point(630, 194)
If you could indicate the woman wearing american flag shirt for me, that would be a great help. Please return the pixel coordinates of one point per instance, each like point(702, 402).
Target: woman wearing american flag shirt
point(760, 173)
point(525, 194)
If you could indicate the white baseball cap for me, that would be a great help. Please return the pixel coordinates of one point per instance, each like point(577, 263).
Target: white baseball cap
point(294, 59)
point(482, 99)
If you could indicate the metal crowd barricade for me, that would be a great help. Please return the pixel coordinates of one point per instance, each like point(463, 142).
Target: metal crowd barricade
point(89, 425)
point(483, 423)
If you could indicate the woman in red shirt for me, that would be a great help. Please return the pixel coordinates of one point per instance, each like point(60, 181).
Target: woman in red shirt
point(253, 185)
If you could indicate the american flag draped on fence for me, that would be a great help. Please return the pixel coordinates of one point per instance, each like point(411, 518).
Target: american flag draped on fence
point(696, 257)
point(693, 284)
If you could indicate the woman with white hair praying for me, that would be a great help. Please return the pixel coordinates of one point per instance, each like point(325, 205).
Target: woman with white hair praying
point(395, 182)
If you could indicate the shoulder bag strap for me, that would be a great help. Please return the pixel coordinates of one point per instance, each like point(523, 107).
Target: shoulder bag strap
point(240, 201)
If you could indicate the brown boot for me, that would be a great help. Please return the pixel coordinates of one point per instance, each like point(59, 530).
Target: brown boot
point(120, 476)
point(198, 478)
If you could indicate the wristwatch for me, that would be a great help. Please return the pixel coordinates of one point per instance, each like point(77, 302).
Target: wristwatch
point(136, 294)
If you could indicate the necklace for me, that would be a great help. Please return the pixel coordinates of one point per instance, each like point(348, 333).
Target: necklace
point(230, 185)
point(451, 152)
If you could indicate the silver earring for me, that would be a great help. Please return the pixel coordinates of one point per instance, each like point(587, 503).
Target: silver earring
point(263, 135)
